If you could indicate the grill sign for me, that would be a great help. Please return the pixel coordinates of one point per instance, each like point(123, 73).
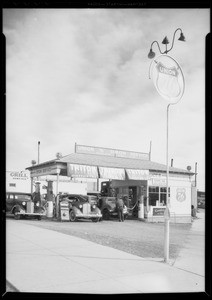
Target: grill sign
point(168, 78)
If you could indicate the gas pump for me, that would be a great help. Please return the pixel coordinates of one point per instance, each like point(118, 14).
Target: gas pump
point(49, 199)
point(141, 208)
point(141, 204)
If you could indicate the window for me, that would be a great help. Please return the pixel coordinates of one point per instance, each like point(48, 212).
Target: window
point(157, 193)
point(153, 195)
point(12, 184)
point(163, 195)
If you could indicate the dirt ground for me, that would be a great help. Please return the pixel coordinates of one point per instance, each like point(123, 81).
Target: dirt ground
point(132, 236)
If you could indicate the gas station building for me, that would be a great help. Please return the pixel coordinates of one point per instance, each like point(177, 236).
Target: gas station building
point(130, 173)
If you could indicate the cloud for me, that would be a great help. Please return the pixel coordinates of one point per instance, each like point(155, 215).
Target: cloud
point(82, 76)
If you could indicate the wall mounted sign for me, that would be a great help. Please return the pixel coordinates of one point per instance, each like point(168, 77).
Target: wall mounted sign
point(19, 175)
point(159, 182)
point(181, 194)
point(44, 171)
point(168, 78)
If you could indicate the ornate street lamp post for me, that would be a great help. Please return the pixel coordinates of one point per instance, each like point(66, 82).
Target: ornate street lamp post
point(166, 42)
point(169, 81)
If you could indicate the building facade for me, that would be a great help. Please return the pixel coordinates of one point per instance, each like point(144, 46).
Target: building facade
point(130, 173)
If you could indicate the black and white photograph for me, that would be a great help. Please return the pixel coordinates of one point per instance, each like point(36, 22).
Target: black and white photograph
point(105, 150)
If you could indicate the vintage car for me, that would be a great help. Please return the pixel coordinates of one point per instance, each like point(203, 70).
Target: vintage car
point(109, 209)
point(201, 204)
point(21, 205)
point(82, 207)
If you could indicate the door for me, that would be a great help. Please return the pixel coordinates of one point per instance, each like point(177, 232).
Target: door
point(133, 199)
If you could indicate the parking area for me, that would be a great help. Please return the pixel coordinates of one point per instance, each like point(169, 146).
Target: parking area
point(132, 236)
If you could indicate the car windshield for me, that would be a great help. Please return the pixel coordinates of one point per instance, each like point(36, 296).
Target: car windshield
point(25, 197)
point(111, 201)
point(75, 198)
point(84, 198)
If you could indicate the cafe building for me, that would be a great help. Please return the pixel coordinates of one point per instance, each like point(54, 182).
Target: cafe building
point(128, 173)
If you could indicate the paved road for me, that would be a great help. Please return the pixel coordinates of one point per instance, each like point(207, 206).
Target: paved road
point(41, 260)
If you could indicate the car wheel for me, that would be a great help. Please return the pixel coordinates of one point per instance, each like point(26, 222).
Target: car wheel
point(16, 215)
point(95, 220)
point(72, 216)
point(106, 215)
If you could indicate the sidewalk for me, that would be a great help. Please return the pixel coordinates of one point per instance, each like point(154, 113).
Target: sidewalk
point(192, 255)
point(45, 261)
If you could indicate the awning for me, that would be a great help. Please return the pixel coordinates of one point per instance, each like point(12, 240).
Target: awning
point(83, 171)
point(112, 173)
point(137, 174)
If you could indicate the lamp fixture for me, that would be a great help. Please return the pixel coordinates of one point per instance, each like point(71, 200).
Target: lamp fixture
point(166, 42)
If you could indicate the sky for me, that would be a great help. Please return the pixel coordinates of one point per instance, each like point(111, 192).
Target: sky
point(82, 76)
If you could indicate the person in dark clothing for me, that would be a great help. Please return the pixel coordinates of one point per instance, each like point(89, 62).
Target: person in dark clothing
point(120, 206)
point(193, 212)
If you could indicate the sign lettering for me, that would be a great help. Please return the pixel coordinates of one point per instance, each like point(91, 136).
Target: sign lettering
point(111, 152)
point(44, 171)
point(158, 211)
point(19, 175)
point(168, 78)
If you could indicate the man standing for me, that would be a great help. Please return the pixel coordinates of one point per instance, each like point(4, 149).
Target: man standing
point(120, 206)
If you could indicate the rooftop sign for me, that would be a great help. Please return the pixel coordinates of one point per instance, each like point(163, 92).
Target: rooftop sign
point(110, 152)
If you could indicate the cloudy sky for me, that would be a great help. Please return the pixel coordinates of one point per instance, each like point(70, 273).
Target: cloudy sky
point(81, 75)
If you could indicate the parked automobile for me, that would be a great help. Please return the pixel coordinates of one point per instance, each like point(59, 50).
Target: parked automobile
point(21, 205)
point(109, 209)
point(201, 204)
point(82, 207)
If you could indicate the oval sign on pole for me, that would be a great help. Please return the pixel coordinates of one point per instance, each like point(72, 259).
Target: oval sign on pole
point(168, 78)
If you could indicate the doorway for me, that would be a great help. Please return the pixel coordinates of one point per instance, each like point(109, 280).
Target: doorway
point(133, 197)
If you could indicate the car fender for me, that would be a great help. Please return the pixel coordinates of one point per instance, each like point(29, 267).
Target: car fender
point(97, 210)
point(109, 208)
point(18, 207)
point(76, 210)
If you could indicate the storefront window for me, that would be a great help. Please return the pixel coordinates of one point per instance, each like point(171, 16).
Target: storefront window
point(157, 193)
point(153, 195)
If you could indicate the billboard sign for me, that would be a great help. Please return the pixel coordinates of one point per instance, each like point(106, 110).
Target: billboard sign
point(83, 149)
